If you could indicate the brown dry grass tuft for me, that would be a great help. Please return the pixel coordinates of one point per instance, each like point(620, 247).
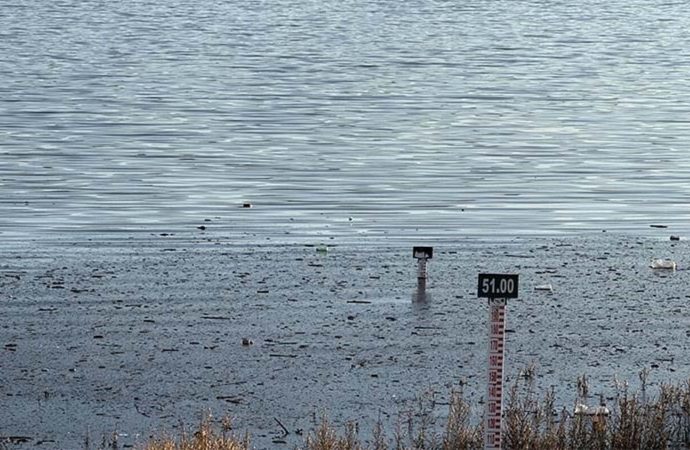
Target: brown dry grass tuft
point(634, 422)
point(531, 422)
point(204, 438)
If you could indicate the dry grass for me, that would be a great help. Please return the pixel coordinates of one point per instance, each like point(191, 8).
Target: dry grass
point(531, 422)
point(634, 423)
point(204, 438)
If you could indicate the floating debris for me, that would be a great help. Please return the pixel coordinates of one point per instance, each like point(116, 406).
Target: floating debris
point(15, 439)
point(544, 287)
point(234, 399)
point(663, 264)
point(584, 410)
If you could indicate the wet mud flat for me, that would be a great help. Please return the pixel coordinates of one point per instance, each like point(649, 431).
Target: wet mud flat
point(137, 336)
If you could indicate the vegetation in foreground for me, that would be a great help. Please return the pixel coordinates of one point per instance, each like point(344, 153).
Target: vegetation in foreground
point(631, 421)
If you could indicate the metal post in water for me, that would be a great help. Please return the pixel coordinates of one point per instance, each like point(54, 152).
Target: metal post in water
point(422, 254)
point(498, 288)
point(494, 395)
point(421, 270)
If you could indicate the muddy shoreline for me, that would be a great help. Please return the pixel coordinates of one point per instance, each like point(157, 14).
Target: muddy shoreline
point(135, 336)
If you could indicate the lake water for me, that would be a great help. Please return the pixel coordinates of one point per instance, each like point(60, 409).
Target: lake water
point(347, 119)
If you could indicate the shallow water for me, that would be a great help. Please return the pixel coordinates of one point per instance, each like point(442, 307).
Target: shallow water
point(102, 339)
point(352, 119)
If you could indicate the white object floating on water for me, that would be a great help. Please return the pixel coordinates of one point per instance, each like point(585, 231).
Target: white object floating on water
point(663, 264)
point(581, 409)
point(584, 410)
point(544, 287)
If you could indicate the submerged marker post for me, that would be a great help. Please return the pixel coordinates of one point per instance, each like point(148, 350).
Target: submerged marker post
point(422, 254)
point(498, 288)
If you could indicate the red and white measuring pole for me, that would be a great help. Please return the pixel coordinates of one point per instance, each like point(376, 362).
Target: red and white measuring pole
point(494, 395)
point(497, 288)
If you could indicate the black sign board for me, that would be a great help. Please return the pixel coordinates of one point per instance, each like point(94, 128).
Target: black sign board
point(497, 285)
point(423, 252)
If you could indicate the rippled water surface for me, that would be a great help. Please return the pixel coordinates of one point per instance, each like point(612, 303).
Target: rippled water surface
point(347, 118)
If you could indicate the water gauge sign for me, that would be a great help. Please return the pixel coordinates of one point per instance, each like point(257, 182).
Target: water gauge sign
point(497, 285)
point(497, 288)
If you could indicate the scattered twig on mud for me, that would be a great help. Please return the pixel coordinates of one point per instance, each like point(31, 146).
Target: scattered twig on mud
point(15, 439)
point(230, 399)
point(140, 411)
point(285, 430)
